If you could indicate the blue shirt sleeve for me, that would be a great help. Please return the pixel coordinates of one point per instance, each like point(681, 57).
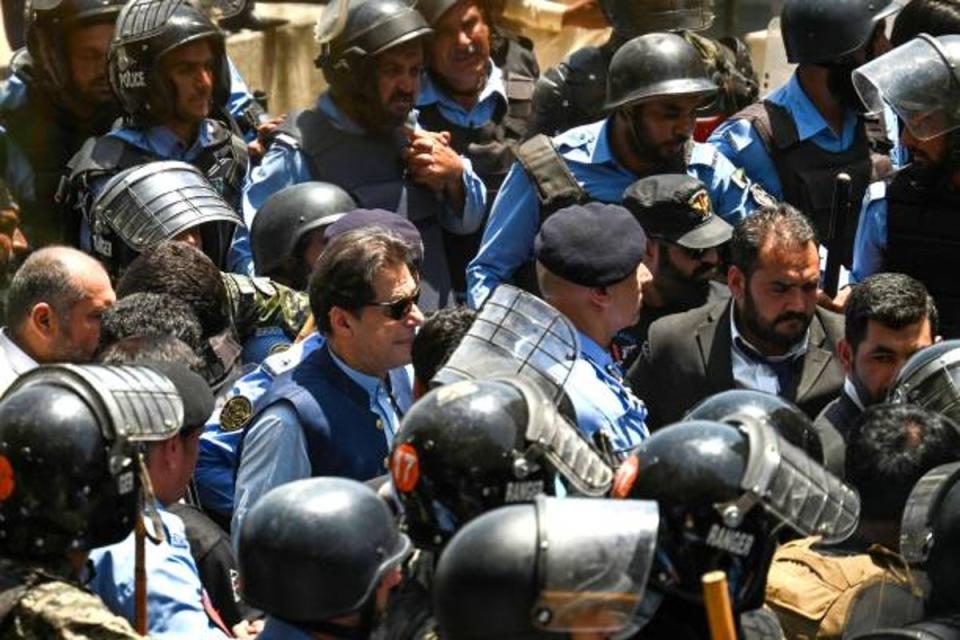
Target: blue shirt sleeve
point(508, 237)
point(870, 243)
point(739, 142)
point(474, 206)
point(274, 453)
point(281, 166)
point(240, 96)
point(731, 193)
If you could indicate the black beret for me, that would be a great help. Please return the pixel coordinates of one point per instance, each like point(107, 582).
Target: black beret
point(394, 222)
point(593, 245)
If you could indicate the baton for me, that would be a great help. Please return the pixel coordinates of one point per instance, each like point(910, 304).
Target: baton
point(716, 597)
point(835, 233)
point(140, 576)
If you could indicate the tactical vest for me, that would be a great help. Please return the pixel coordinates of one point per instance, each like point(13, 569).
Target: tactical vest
point(323, 397)
point(807, 172)
point(923, 241)
point(370, 168)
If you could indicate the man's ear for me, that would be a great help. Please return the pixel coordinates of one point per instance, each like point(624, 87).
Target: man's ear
point(737, 281)
point(600, 297)
point(341, 321)
point(846, 355)
point(44, 319)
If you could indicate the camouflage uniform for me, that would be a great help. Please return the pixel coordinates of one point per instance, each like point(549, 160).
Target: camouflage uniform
point(261, 302)
point(38, 603)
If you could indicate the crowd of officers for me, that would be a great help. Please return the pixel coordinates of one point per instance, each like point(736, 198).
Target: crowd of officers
point(463, 350)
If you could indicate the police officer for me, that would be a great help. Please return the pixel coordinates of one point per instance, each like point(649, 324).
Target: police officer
point(572, 93)
point(655, 86)
point(906, 225)
point(167, 71)
point(319, 557)
point(684, 238)
point(720, 492)
point(484, 106)
point(64, 427)
point(551, 569)
point(361, 137)
point(287, 239)
point(802, 135)
point(590, 267)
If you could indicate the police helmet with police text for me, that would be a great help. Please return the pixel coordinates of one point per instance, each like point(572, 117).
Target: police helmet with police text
point(828, 31)
point(471, 446)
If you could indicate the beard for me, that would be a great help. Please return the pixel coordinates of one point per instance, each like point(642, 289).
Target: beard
point(767, 333)
point(679, 291)
point(840, 83)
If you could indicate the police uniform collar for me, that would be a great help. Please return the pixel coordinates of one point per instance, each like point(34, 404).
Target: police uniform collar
point(593, 352)
point(161, 141)
point(432, 92)
point(591, 138)
point(806, 116)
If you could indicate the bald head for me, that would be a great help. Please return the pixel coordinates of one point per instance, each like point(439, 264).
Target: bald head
point(55, 302)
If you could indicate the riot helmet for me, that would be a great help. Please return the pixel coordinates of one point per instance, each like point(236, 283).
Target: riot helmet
point(317, 549)
point(351, 33)
point(535, 570)
point(825, 32)
point(145, 205)
point(724, 491)
point(69, 475)
point(472, 446)
point(631, 18)
point(48, 26)
point(823, 443)
point(286, 218)
point(929, 379)
point(920, 82)
point(654, 66)
point(146, 31)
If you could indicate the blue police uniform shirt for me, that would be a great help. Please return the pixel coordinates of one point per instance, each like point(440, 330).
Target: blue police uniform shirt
point(216, 472)
point(278, 435)
point(870, 243)
point(240, 97)
point(602, 402)
point(174, 594)
point(494, 92)
point(514, 220)
point(277, 629)
point(739, 141)
point(283, 166)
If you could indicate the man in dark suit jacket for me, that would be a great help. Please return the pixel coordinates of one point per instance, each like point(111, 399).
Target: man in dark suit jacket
point(770, 336)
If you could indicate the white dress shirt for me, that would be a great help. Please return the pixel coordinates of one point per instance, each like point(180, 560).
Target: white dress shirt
point(13, 361)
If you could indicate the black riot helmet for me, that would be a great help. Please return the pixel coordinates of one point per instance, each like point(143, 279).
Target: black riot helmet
point(930, 379)
point(317, 549)
point(146, 31)
point(48, 25)
point(469, 447)
point(68, 474)
point(653, 66)
point(352, 32)
point(145, 205)
point(284, 221)
point(828, 31)
point(631, 18)
point(536, 570)
point(823, 444)
point(723, 492)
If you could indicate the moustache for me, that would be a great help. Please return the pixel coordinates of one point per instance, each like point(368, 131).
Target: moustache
point(792, 315)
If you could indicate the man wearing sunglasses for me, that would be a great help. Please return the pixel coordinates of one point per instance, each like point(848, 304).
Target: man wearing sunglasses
point(336, 412)
point(684, 237)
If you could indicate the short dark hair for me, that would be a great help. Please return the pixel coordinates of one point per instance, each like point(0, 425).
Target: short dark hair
point(345, 272)
point(436, 340)
point(43, 277)
point(141, 314)
point(177, 269)
point(889, 449)
point(894, 300)
point(935, 17)
point(156, 347)
point(782, 222)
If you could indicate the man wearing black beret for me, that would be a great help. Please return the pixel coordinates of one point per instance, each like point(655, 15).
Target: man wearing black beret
point(590, 267)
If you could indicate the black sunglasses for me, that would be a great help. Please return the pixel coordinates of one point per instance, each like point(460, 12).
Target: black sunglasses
point(398, 309)
point(693, 254)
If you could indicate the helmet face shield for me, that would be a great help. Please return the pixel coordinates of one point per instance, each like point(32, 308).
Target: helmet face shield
point(916, 526)
point(919, 81)
point(930, 379)
point(594, 558)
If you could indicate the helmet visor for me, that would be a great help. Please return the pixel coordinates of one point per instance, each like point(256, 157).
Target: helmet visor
point(917, 81)
point(516, 333)
point(797, 490)
point(916, 528)
point(594, 561)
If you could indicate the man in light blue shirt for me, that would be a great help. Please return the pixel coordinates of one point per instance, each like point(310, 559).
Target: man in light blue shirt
point(337, 411)
point(802, 135)
point(654, 108)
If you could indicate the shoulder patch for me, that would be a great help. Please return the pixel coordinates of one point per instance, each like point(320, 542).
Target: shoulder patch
point(236, 413)
point(739, 178)
point(761, 197)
